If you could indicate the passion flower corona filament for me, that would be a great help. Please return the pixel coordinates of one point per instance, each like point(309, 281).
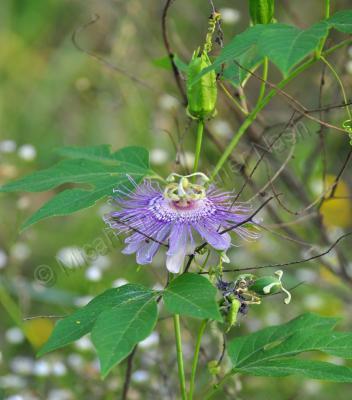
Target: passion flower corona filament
point(177, 217)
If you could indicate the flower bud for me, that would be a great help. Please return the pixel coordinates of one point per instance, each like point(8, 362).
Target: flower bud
point(266, 285)
point(270, 285)
point(202, 94)
point(261, 11)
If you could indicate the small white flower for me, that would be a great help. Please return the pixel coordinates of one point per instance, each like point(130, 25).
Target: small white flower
point(71, 257)
point(312, 301)
point(102, 262)
point(27, 152)
point(22, 365)
point(82, 301)
point(60, 394)
point(187, 159)
point(93, 274)
point(140, 376)
point(13, 382)
point(20, 251)
point(76, 362)
point(230, 16)
point(349, 51)
point(119, 282)
point(84, 344)
point(58, 368)
point(41, 368)
point(168, 102)
point(23, 202)
point(14, 335)
point(158, 156)
point(221, 128)
point(151, 340)
point(349, 66)
point(7, 146)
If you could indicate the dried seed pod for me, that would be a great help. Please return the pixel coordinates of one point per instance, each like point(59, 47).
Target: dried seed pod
point(261, 11)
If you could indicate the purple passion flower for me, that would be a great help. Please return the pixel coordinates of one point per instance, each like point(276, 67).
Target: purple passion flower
point(176, 218)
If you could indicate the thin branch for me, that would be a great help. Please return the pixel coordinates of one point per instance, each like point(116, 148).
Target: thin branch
point(106, 63)
point(127, 381)
point(299, 107)
point(303, 260)
point(170, 54)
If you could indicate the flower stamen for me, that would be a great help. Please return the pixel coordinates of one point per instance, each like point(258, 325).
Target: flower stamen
point(184, 191)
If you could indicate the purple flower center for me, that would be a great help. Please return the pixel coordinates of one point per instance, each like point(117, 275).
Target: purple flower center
point(183, 211)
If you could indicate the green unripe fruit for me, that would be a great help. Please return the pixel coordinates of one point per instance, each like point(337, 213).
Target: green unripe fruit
point(266, 285)
point(202, 94)
point(231, 317)
point(261, 11)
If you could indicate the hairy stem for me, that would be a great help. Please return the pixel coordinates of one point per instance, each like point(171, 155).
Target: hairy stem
point(181, 372)
point(200, 130)
point(195, 358)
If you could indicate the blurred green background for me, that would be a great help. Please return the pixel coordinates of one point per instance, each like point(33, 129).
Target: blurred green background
point(54, 94)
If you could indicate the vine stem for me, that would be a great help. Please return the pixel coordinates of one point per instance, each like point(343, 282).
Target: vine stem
point(336, 75)
point(181, 372)
point(195, 358)
point(260, 105)
point(232, 99)
point(265, 77)
point(327, 8)
point(327, 15)
point(200, 130)
point(219, 385)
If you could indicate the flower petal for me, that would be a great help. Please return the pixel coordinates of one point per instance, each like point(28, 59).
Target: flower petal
point(212, 236)
point(177, 248)
point(149, 248)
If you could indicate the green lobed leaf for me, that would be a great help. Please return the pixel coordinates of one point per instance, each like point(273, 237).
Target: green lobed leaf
point(72, 200)
point(192, 295)
point(118, 329)
point(95, 153)
point(99, 170)
point(269, 351)
point(248, 349)
point(81, 322)
point(342, 21)
point(306, 368)
point(285, 45)
point(241, 44)
point(236, 75)
point(165, 63)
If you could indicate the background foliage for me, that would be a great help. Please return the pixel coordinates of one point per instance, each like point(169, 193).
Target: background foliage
point(53, 95)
